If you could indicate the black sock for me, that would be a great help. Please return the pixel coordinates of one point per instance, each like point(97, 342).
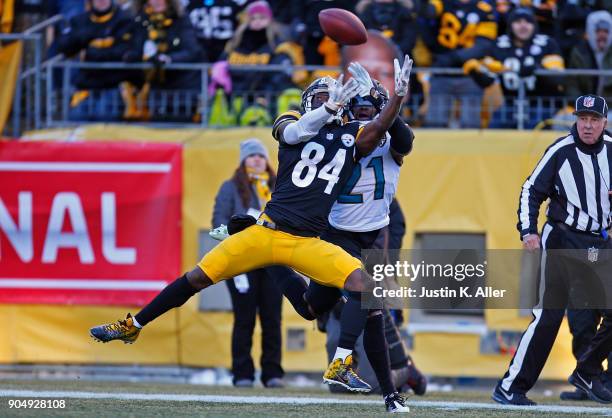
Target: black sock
point(293, 287)
point(352, 321)
point(397, 351)
point(174, 295)
point(375, 346)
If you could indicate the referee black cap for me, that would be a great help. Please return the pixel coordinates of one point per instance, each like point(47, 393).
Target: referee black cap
point(590, 103)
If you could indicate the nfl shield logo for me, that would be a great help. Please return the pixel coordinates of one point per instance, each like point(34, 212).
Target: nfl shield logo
point(588, 101)
point(592, 254)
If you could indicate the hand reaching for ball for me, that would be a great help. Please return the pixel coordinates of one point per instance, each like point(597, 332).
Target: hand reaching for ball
point(402, 75)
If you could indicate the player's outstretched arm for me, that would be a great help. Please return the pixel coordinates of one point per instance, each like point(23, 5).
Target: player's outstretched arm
point(375, 130)
point(402, 138)
point(293, 131)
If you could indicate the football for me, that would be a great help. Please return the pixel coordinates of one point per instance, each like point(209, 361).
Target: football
point(343, 26)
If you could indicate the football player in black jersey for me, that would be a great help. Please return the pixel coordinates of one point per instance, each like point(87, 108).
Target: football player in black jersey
point(316, 300)
point(316, 157)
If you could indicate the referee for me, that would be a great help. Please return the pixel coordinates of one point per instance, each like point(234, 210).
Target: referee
point(575, 174)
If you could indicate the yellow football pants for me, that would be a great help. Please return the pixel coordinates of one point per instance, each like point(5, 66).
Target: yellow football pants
point(258, 246)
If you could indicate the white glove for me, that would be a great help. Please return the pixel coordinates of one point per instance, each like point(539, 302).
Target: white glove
point(340, 94)
point(402, 75)
point(219, 233)
point(363, 78)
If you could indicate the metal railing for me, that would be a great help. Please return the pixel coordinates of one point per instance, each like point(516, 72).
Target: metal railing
point(520, 112)
point(27, 99)
point(61, 103)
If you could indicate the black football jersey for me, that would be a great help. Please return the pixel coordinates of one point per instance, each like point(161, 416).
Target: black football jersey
point(461, 23)
point(541, 52)
point(311, 176)
point(214, 22)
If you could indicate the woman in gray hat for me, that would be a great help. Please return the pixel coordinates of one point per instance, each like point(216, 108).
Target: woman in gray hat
point(247, 192)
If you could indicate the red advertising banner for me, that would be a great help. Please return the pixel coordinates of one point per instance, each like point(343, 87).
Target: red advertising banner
point(88, 222)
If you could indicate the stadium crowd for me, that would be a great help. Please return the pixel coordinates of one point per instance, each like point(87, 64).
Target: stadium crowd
point(497, 45)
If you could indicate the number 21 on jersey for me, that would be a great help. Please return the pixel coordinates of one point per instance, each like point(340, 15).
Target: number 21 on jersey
point(305, 170)
point(347, 195)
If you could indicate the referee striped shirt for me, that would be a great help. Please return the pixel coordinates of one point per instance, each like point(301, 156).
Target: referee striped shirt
point(576, 178)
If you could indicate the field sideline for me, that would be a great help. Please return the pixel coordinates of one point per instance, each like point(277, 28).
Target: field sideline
point(89, 398)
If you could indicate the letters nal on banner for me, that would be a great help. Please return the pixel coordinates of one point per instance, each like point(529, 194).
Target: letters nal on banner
point(88, 222)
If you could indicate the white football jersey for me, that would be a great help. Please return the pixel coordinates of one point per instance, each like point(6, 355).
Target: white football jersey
point(363, 204)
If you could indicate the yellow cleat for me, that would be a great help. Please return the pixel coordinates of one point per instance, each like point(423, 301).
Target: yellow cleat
point(123, 330)
point(342, 373)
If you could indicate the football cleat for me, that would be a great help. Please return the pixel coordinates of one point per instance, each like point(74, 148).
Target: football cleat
point(396, 404)
point(342, 373)
point(511, 398)
point(123, 330)
point(219, 233)
point(593, 387)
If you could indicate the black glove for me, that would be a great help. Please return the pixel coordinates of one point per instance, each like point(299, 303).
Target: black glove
point(239, 222)
point(484, 80)
point(527, 70)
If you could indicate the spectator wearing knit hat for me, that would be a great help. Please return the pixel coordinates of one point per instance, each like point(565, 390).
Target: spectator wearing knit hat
point(247, 192)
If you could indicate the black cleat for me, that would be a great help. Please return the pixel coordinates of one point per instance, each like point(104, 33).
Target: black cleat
point(342, 373)
point(592, 385)
point(511, 398)
point(395, 404)
point(575, 395)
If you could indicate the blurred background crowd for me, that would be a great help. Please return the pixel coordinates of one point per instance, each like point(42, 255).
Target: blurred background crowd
point(493, 48)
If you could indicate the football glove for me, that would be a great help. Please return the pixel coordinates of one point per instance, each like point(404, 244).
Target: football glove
point(363, 78)
point(340, 94)
point(402, 75)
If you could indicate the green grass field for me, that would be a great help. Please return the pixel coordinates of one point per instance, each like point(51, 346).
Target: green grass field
point(437, 404)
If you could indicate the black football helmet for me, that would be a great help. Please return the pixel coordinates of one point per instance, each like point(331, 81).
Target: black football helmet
point(377, 99)
point(320, 85)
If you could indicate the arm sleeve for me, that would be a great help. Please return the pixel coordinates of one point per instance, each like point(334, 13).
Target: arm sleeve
point(397, 225)
point(120, 42)
point(401, 137)
point(224, 206)
point(537, 188)
point(482, 47)
point(552, 60)
point(295, 130)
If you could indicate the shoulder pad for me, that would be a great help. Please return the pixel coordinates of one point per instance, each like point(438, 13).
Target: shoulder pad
point(286, 117)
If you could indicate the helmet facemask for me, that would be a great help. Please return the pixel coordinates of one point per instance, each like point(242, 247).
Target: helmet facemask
point(365, 108)
point(316, 94)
